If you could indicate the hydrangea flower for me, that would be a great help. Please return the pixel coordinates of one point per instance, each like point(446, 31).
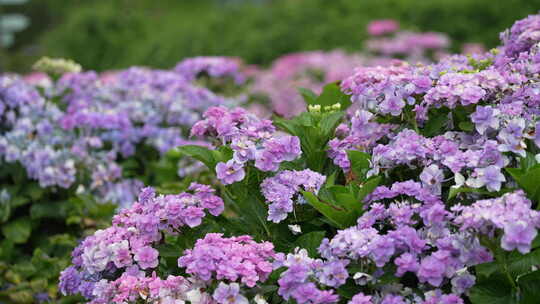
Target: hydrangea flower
point(280, 191)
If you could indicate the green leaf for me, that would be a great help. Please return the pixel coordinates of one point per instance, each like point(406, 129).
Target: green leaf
point(309, 96)
point(466, 126)
point(437, 120)
point(310, 241)
point(17, 231)
point(528, 285)
point(19, 200)
point(368, 187)
point(337, 215)
point(331, 95)
point(455, 191)
point(359, 163)
point(208, 157)
point(494, 290)
point(329, 123)
point(528, 161)
point(48, 210)
point(34, 190)
point(528, 180)
point(519, 264)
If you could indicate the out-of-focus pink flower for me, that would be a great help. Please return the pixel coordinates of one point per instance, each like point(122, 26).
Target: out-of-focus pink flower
point(38, 79)
point(381, 27)
point(473, 48)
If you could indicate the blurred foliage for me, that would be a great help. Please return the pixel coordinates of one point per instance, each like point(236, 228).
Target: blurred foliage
point(103, 34)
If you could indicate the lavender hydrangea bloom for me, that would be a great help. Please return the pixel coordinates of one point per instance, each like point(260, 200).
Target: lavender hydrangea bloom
point(484, 118)
point(297, 280)
point(229, 294)
point(537, 135)
point(281, 189)
point(432, 178)
point(235, 259)
point(70, 281)
point(511, 137)
point(518, 235)
point(511, 213)
point(491, 177)
point(334, 273)
point(127, 246)
point(462, 282)
point(147, 257)
point(230, 172)
point(432, 270)
point(361, 298)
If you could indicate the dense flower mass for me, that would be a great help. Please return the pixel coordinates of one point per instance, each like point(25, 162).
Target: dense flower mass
point(250, 138)
point(234, 259)
point(299, 280)
point(129, 244)
point(423, 191)
point(84, 123)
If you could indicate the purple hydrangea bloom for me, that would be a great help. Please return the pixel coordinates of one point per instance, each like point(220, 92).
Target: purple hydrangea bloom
point(280, 191)
point(147, 257)
point(432, 178)
point(491, 177)
point(70, 280)
point(484, 118)
point(361, 298)
point(230, 172)
point(518, 235)
point(229, 294)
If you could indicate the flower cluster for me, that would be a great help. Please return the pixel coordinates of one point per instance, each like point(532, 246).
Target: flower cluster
point(388, 41)
point(510, 213)
point(251, 139)
point(76, 131)
point(494, 116)
point(128, 243)
point(57, 66)
point(302, 275)
point(237, 259)
point(416, 235)
point(216, 67)
point(281, 189)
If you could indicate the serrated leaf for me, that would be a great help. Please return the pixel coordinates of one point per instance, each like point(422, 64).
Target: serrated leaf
point(528, 180)
point(203, 154)
point(331, 95)
point(329, 123)
point(309, 96)
point(493, 290)
point(337, 215)
point(18, 231)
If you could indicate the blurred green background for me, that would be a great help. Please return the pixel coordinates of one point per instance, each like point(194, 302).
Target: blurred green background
point(111, 34)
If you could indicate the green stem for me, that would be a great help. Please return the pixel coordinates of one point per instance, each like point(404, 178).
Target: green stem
point(502, 261)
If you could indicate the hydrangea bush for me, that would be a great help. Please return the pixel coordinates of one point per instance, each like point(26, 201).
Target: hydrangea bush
point(403, 184)
point(75, 146)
